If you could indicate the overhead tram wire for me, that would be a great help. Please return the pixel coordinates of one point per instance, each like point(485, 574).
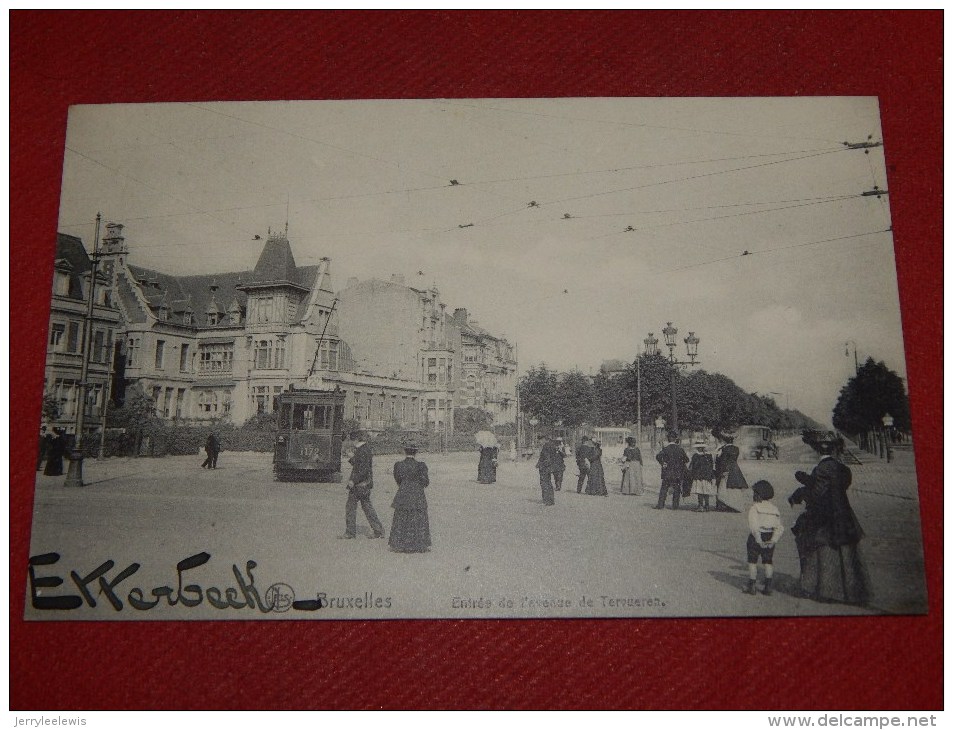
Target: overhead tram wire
point(724, 217)
point(151, 187)
point(534, 204)
point(691, 177)
point(746, 253)
point(641, 125)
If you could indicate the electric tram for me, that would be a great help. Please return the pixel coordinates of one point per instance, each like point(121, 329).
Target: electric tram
point(310, 431)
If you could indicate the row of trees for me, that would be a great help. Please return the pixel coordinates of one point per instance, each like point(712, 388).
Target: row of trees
point(705, 400)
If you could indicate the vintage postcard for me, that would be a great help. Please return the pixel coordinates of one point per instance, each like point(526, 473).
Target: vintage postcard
point(475, 358)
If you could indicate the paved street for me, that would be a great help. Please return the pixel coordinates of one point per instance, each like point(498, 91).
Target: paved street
point(497, 551)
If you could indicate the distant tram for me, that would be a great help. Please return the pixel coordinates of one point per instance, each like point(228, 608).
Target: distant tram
point(310, 431)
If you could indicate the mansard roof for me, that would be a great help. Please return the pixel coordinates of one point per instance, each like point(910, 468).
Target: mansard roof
point(195, 293)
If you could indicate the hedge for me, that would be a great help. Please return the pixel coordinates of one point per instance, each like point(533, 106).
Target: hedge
point(184, 440)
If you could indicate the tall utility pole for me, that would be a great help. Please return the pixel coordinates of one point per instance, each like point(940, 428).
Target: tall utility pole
point(638, 399)
point(847, 352)
point(74, 474)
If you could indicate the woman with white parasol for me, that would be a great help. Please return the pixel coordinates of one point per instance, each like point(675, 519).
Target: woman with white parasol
point(489, 453)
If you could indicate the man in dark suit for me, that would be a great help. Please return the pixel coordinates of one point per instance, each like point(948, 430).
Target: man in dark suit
point(583, 453)
point(673, 460)
point(548, 463)
point(359, 487)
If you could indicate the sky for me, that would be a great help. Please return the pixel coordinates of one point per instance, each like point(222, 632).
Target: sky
point(575, 226)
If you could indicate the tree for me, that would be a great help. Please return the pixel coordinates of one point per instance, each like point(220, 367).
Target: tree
point(51, 407)
point(137, 414)
point(613, 401)
point(574, 400)
point(471, 420)
point(867, 397)
point(537, 391)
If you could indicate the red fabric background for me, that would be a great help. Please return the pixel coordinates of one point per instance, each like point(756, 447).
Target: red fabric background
point(68, 57)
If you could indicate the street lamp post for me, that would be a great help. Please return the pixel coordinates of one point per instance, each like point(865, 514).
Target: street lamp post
point(691, 345)
point(74, 473)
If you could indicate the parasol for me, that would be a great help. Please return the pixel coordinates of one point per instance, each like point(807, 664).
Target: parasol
point(486, 439)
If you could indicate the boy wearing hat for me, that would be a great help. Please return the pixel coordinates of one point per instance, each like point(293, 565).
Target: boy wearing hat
point(764, 525)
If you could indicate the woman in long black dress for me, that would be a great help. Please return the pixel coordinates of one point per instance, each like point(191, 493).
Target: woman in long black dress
point(728, 474)
point(597, 475)
point(410, 530)
point(828, 533)
point(54, 457)
point(486, 471)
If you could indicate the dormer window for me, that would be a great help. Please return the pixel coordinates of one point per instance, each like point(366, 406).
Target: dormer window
point(213, 318)
point(61, 283)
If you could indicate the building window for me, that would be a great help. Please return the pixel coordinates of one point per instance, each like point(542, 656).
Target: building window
point(156, 396)
point(235, 315)
point(61, 283)
point(216, 358)
point(213, 318)
point(260, 398)
point(276, 391)
point(263, 354)
point(432, 362)
point(132, 352)
point(328, 356)
point(99, 349)
point(160, 354)
point(72, 337)
point(279, 361)
point(414, 412)
point(57, 331)
point(179, 402)
point(208, 402)
point(266, 307)
point(432, 378)
point(184, 358)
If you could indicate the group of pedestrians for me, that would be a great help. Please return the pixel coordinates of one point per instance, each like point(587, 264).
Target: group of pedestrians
point(551, 466)
point(703, 475)
point(410, 529)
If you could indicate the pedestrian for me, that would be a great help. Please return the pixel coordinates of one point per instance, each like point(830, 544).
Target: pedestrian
point(583, 452)
point(764, 531)
point(359, 486)
point(827, 533)
point(632, 469)
point(702, 472)
point(673, 459)
point(45, 440)
point(55, 453)
point(547, 464)
point(727, 472)
point(410, 530)
point(560, 468)
point(486, 471)
point(212, 448)
point(597, 475)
